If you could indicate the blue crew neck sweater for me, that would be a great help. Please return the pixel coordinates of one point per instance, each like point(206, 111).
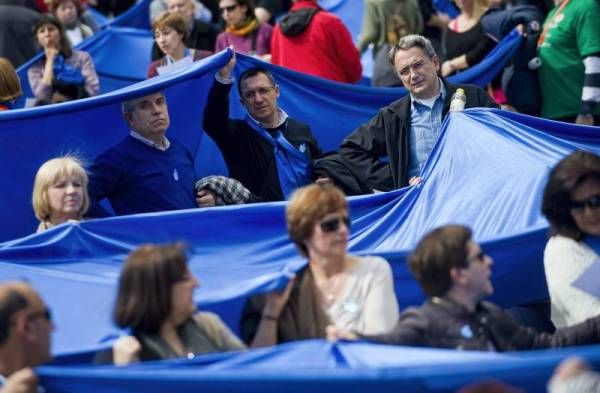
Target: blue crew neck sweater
point(138, 178)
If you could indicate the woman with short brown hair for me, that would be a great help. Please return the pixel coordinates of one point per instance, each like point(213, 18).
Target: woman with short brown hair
point(351, 292)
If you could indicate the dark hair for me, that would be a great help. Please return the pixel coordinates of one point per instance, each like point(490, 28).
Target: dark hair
point(252, 72)
point(249, 7)
point(436, 254)
point(64, 43)
point(307, 206)
point(12, 302)
point(144, 295)
point(569, 173)
point(55, 3)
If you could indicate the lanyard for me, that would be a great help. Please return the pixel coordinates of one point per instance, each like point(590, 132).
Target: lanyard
point(547, 25)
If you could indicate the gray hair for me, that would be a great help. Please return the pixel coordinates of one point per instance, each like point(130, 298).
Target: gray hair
point(129, 105)
point(411, 41)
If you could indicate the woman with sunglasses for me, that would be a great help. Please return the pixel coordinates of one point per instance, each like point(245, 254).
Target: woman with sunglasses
point(155, 301)
point(572, 206)
point(350, 292)
point(243, 30)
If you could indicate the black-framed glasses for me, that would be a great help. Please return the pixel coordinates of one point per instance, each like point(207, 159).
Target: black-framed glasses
point(333, 224)
point(480, 256)
point(592, 202)
point(261, 91)
point(46, 314)
point(228, 8)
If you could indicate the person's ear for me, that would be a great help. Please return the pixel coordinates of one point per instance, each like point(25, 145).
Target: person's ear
point(277, 91)
point(457, 276)
point(128, 118)
point(436, 62)
point(21, 324)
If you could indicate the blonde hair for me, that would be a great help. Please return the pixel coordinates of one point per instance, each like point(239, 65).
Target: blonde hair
point(10, 86)
point(48, 174)
point(307, 206)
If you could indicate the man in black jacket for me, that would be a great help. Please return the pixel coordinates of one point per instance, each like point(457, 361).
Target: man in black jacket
point(270, 153)
point(406, 130)
point(455, 273)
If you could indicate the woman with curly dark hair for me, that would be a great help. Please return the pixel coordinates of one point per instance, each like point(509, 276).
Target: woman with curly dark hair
point(572, 206)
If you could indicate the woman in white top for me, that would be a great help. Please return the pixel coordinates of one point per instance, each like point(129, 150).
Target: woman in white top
point(572, 206)
point(351, 292)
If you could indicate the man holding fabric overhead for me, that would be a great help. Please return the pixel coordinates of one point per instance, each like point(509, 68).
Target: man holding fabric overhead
point(406, 130)
point(268, 152)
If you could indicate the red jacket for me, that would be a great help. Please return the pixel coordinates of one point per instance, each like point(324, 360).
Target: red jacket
point(324, 48)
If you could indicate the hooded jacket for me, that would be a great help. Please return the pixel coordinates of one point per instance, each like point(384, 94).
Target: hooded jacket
point(315, 42)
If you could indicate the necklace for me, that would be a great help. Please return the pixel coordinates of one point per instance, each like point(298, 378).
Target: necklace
point(331, 288)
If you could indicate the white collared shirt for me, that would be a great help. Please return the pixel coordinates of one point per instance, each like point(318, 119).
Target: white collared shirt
point(164, 146)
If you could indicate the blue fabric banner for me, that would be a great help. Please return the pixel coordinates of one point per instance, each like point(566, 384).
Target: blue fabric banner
point(122, 56)
point(90, 126)
point(487, 171)
point(317, 366)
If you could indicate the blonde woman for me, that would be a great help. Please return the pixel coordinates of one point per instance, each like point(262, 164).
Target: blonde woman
point(60, 192)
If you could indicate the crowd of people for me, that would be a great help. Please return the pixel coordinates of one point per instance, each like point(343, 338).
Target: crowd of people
point(271, 156)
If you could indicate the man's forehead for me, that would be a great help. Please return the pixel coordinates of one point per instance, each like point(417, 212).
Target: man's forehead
point(473, 248)
point(409, 56)
point(149, 98)
point(178, 3)
point(258, 80)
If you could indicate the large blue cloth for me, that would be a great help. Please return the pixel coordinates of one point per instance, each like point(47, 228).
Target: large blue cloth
point(487, 171)
point(90, 126)
point(122, 56)
point(317, 366)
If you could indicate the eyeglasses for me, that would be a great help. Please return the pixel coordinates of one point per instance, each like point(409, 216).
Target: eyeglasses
point(333, 224)
point(479, 257)
point(592, 202)
point(228, 8)
point(261, 91)
point(46, 314)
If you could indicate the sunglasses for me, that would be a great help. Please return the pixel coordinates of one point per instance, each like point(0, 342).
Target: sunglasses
point(479, 257)
point(333, 224)
point(592, 202)
point(46, 314)
point(228, 8)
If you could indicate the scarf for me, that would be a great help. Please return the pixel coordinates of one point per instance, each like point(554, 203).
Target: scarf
point(248, 26)
point(66, 73)
point(302, 317)
point(293, 167)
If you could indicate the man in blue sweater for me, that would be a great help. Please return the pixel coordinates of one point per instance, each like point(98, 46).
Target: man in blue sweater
point(146, 172)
